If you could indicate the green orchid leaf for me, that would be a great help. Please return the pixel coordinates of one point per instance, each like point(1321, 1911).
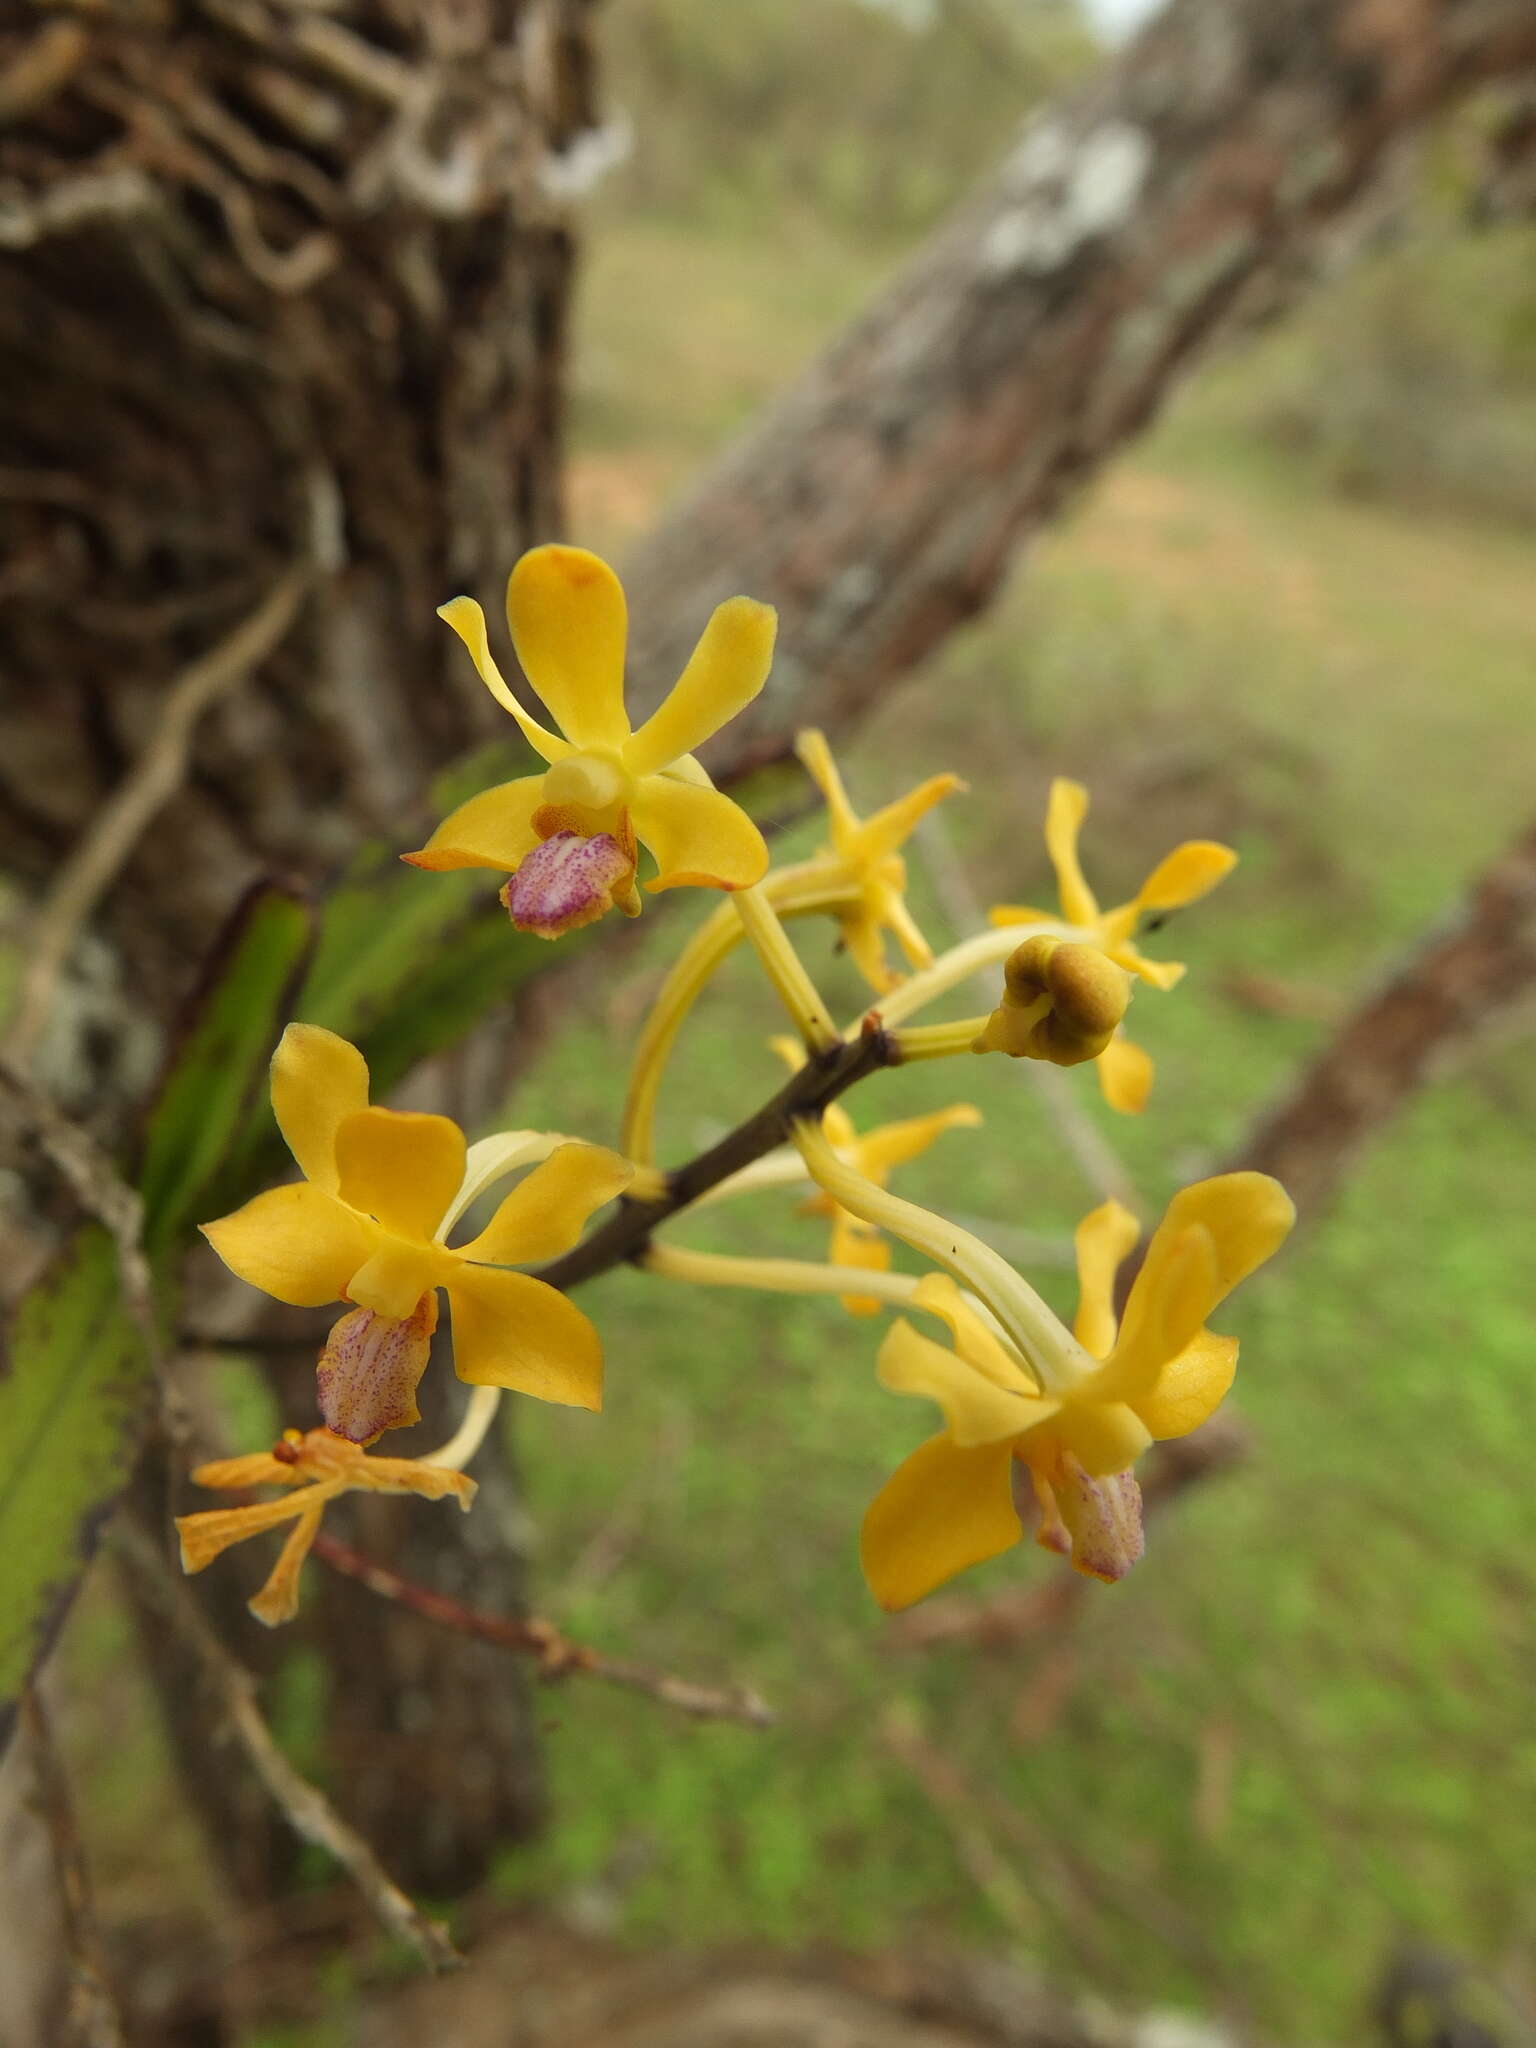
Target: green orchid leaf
point(218, 1072)
point(75, 1389)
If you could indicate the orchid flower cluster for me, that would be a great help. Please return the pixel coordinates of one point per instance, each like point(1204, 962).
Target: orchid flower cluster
point(1041, 1424)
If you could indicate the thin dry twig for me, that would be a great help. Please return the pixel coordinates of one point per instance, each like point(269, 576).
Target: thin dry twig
point(1097, 1160)
point(303, 1806)
point(957, 1806)
point(102, 851)
point(91, 2019)
point(96, 1184)
point(558, 1656)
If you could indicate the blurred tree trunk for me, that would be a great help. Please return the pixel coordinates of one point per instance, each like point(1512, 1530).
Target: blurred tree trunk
point(282, 286)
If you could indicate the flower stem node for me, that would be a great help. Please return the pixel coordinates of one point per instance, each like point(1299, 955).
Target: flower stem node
point(1062, 1002)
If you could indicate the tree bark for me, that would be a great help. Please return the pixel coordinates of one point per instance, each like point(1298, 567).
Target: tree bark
point(282, 285)
point(1231, 153)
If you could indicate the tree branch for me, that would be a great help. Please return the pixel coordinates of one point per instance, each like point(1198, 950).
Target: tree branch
point(821, 1080)
point(302, 1805)
point(1203, 177)
point(557, 1654)
point(1470, 975)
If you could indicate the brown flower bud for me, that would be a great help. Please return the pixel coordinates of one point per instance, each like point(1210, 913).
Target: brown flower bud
point(1061, 1002)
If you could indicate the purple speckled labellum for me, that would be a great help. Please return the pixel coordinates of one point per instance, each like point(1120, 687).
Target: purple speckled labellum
point(566, 882)
point(1104, 1516)
point(370, 1369)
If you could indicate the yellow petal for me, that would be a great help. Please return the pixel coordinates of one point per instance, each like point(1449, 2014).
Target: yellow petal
point(510, 1330)
point(1104, 1436)
point(942, 1511)
point(1125, 1073)
point(296, 1243)
point(492, 830)
point(1103, 1239)
point(816, 759)
point(1020, 913)
point(976, 1343)
point(569, 625)
point(892, 1145)
point(1191, 1387)
point(863, 940)
point(392, 1282)
point(860, 1245)
point(890, 907)
point(400, 1166)
point(317, 1079)
point(976, 1409)
point(697, 836)
point(468, 621)
point(1161, 974)
point(546, 1213)
point(278, 1600)
point(892, 825)
point(1064, 815)
point(207, 1535)
point(488, 1160)
point(1188, 873)
point(725, 671)
point(1245, 1218)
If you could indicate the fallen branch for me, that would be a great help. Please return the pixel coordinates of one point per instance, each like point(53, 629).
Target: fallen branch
point(303, 1806)
point(557, 1655)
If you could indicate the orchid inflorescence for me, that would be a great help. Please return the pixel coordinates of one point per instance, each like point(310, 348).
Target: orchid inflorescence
point(1042, 1424)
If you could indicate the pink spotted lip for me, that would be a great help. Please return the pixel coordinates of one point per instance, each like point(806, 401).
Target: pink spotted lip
point(566, 882)
point(369, 1370)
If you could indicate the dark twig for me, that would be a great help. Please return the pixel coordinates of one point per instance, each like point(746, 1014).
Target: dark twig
point(302, 1805)
point(91, 2019)
point(821, 1080)
point(557, 1655)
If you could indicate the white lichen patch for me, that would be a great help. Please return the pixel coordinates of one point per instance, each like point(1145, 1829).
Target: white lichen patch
point(1070, 191)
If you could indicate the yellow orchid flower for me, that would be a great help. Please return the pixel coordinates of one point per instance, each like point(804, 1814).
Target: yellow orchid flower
point(1191, 871)
point(568, 836)
point(368, 1224)
point(1014, 1420)
point(316, 1467)
point(875, 1154)
point(864, 850)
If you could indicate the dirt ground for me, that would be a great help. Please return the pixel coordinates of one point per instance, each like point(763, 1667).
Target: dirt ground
point(537, 1987)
